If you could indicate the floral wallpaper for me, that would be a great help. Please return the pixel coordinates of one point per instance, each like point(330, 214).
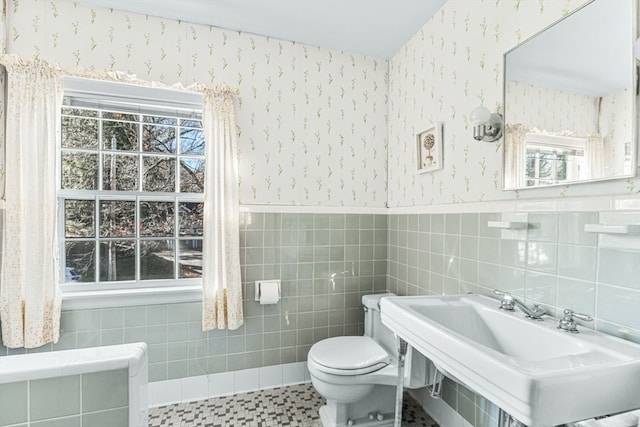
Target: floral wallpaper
point(322, 127)
point(452, 65)
point(312, 122)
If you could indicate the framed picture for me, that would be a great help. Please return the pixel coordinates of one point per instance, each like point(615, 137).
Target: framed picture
point(429, 148)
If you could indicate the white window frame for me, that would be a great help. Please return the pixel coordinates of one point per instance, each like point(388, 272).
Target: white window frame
point(151, 101)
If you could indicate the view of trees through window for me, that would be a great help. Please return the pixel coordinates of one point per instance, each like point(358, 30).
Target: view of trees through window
point(132, 197)
point(545, 168)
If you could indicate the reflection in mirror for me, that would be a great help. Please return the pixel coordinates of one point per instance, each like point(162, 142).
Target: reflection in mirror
point(570, 100)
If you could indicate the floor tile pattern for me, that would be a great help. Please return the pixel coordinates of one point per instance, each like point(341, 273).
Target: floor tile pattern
point(291, 406)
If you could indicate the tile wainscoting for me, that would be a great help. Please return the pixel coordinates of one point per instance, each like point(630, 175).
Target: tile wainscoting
point(553, 262)
point(326, 263)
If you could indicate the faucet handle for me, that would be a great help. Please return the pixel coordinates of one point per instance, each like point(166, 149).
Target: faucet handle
point(567, 323)
point(507, 302)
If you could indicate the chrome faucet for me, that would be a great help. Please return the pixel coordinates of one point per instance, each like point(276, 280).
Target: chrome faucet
point(508, 302)
point(567, 323)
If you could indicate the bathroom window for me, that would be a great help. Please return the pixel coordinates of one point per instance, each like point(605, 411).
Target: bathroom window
point(131, 189)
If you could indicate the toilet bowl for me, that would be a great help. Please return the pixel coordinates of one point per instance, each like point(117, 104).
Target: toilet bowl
point(357, 375)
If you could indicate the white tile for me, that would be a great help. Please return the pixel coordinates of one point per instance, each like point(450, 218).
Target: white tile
point(293, 373)
point(165, 392)
point(247, 380)
point(270, 376)
point(616, 267)
point(195, 388)
point(450, 418)
point(618, 305)
point(585, 204)
point(630, 241)
point(537, 206)
point(221, 384)
point(626, 203)
point(307, 375)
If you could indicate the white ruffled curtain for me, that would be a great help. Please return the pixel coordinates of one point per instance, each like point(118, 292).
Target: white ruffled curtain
point(29, 294)
point(515, 156)
point(221, 281)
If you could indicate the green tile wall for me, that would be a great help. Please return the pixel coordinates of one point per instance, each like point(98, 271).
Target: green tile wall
point(553, 263)
point(326, 263)
point(100, 399)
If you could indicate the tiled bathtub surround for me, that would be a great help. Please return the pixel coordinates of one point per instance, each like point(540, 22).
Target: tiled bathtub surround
point(100, 387)
point(554, 263)
point(326, 263)
point(96, 399)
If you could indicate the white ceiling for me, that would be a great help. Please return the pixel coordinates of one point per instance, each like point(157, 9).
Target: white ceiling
point(376, 28)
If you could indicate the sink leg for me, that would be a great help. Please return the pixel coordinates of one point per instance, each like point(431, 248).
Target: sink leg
point(402, 354)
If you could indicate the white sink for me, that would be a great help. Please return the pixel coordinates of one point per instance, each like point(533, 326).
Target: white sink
point(540, 375)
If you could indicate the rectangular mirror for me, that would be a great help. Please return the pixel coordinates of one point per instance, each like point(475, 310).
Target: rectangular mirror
point(570, 100)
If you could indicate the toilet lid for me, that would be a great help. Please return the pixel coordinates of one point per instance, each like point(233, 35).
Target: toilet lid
point(349, 355)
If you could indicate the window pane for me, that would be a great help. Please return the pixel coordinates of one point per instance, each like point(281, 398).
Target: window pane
point(121, 116)
point(159, 174)
point(117, 260)
point(80, 262)
point(79, 171)
point(191, 123)
point(79, 112)
point(545, 166)
point(79, 132)
point(119, 172)
point(169, 121)
point(191, 218)
point(191, 175)
point(119, 136)
point(117, 218)
point(191, 141)
point(159, 139)
point(190, 259)
point(79, 218)
point(156, 219)
point(157, 259)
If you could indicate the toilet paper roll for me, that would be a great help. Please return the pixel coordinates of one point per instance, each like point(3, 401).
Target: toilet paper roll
point(269, 292)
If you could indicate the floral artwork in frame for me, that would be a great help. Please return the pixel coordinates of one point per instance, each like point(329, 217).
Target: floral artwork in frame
point(429, 148)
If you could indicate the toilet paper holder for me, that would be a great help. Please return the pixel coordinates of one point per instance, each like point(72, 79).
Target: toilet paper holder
point(272, 285)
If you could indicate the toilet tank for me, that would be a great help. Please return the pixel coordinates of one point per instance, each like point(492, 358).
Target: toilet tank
point(418, 369)
point(373, 326)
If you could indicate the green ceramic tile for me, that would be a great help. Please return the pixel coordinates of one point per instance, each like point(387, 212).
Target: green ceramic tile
point(13, 403)
point(112, 336)
point(105, 390)
point(111, 318)
point(54, 397)
point(110, 418)
point(74, 421)
point(135, 316)
point(88, 320)
point(157, 314)
point(157, 372)
point(177, 369)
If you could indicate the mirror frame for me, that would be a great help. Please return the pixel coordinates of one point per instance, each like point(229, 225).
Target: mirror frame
point(635, 156)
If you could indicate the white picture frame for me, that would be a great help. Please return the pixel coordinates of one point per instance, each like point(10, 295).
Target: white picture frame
point(429, 148)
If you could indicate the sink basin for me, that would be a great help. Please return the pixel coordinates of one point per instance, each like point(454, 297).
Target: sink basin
point(538, 374)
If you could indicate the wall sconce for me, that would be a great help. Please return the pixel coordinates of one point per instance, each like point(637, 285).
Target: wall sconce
point(487, 126)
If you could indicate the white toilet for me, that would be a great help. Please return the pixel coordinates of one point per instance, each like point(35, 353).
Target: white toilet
point(358, 375)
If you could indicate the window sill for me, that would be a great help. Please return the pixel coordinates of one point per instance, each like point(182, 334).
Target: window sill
point(76, 300)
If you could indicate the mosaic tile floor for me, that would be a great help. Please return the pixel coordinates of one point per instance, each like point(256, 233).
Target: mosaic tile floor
point(292, 406)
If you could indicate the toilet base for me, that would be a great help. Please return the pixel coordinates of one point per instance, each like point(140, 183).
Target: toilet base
point(380, 401)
